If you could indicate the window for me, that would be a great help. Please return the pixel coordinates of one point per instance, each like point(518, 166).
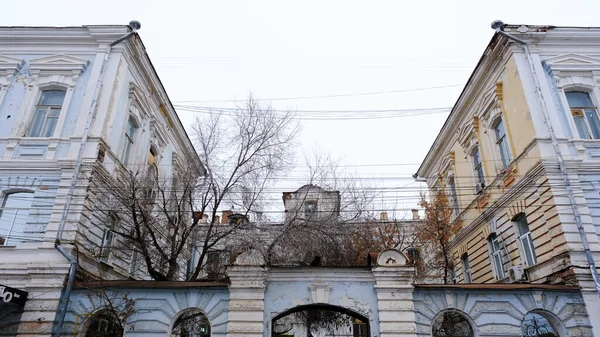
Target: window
point(502, 143)
point(454, 195)
point(526, 240)
point(451, 324)
point(452, 274)
point(584, 114)
point(494, 246)
point(466, 268)
point(104, 324)
point(414, 255)
point(46, 113)
point(478, 168)
point(133, 265)
point(13, 217)
point(192, 322)
point(310, 208)
point(128, 141)
point(108, 239)
point(536, 325)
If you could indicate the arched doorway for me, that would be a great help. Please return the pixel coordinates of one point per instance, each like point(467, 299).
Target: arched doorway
point(451, 323)
point(191, 323)
point(103, 323)
point(539, 323)
point(319, 320)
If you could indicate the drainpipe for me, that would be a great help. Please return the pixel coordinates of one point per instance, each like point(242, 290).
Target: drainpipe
point(497, 26)
point(64, 299)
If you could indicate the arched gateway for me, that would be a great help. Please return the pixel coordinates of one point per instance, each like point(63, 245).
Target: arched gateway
point(313, 301)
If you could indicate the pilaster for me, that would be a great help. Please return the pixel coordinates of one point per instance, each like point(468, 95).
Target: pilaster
point(393, 280)
point(247, 294)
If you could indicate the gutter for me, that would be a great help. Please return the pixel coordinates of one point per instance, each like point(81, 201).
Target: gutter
point(64, 299)
point(497, 26)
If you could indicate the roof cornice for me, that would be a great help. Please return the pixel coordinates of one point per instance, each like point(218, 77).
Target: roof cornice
point(495, 55)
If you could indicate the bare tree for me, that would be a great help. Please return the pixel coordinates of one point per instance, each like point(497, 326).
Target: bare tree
point(169, 220)
point(318, 235)
point(436, 231)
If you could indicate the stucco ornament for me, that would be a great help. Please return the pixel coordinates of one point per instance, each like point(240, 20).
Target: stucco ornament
point(391, 258)
point(319, 292)
point(251, 257)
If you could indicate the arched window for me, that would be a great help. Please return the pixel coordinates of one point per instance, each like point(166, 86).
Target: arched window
point(451, 323)
point(191, 323)
point(536, 325)
point(104, 324)
point(14, 212)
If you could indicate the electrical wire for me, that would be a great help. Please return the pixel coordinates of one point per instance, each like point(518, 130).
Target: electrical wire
point(333, 95)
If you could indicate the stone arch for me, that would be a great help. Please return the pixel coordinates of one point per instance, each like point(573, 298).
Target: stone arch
point(191, 320)
point(453, 323)
point(540, 322)
point(354, 319)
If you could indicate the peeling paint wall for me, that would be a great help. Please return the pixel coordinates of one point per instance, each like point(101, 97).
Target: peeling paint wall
point(284, 293)
point(155, 310)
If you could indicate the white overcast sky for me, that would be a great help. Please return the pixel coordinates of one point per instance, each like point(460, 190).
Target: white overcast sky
point(221, 50)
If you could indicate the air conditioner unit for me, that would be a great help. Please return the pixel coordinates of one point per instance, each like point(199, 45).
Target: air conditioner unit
point(517, 274)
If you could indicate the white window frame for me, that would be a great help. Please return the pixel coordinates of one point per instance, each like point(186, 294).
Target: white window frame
point(466, 265)
point(496, 256)
point(525, 241)
point(479, 179)
point(108, 239)
point(128, 142)
point(134, 260)
point(505, 158)
point(47, 110)
point(8, 241)
point(582, 110)
point(454, 195)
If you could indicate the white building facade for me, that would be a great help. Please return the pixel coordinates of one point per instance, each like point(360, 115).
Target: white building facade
point(60, 88)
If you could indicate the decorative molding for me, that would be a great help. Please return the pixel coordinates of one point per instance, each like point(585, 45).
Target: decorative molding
point(10, 65)
point(391, 258)
point(573, 62)
point(58, 64)
point(319, 292)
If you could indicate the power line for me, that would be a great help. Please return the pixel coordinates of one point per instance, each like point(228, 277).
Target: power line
point(333, 95)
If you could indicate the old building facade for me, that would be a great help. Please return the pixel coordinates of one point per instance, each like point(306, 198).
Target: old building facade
point(517, 156)
point(75, 103)
point(381, 299)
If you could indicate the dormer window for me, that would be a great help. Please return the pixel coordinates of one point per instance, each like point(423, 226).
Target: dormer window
point(310, 208)
point(585, 114)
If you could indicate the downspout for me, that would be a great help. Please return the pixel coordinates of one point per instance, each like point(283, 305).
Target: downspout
point(497, 26)
point(64, 299)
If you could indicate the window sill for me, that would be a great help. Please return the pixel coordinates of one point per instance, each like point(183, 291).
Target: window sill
point(8, 246)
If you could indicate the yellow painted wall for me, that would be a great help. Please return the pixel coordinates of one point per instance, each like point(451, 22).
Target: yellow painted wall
point(539, 205)
point(515, 110)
